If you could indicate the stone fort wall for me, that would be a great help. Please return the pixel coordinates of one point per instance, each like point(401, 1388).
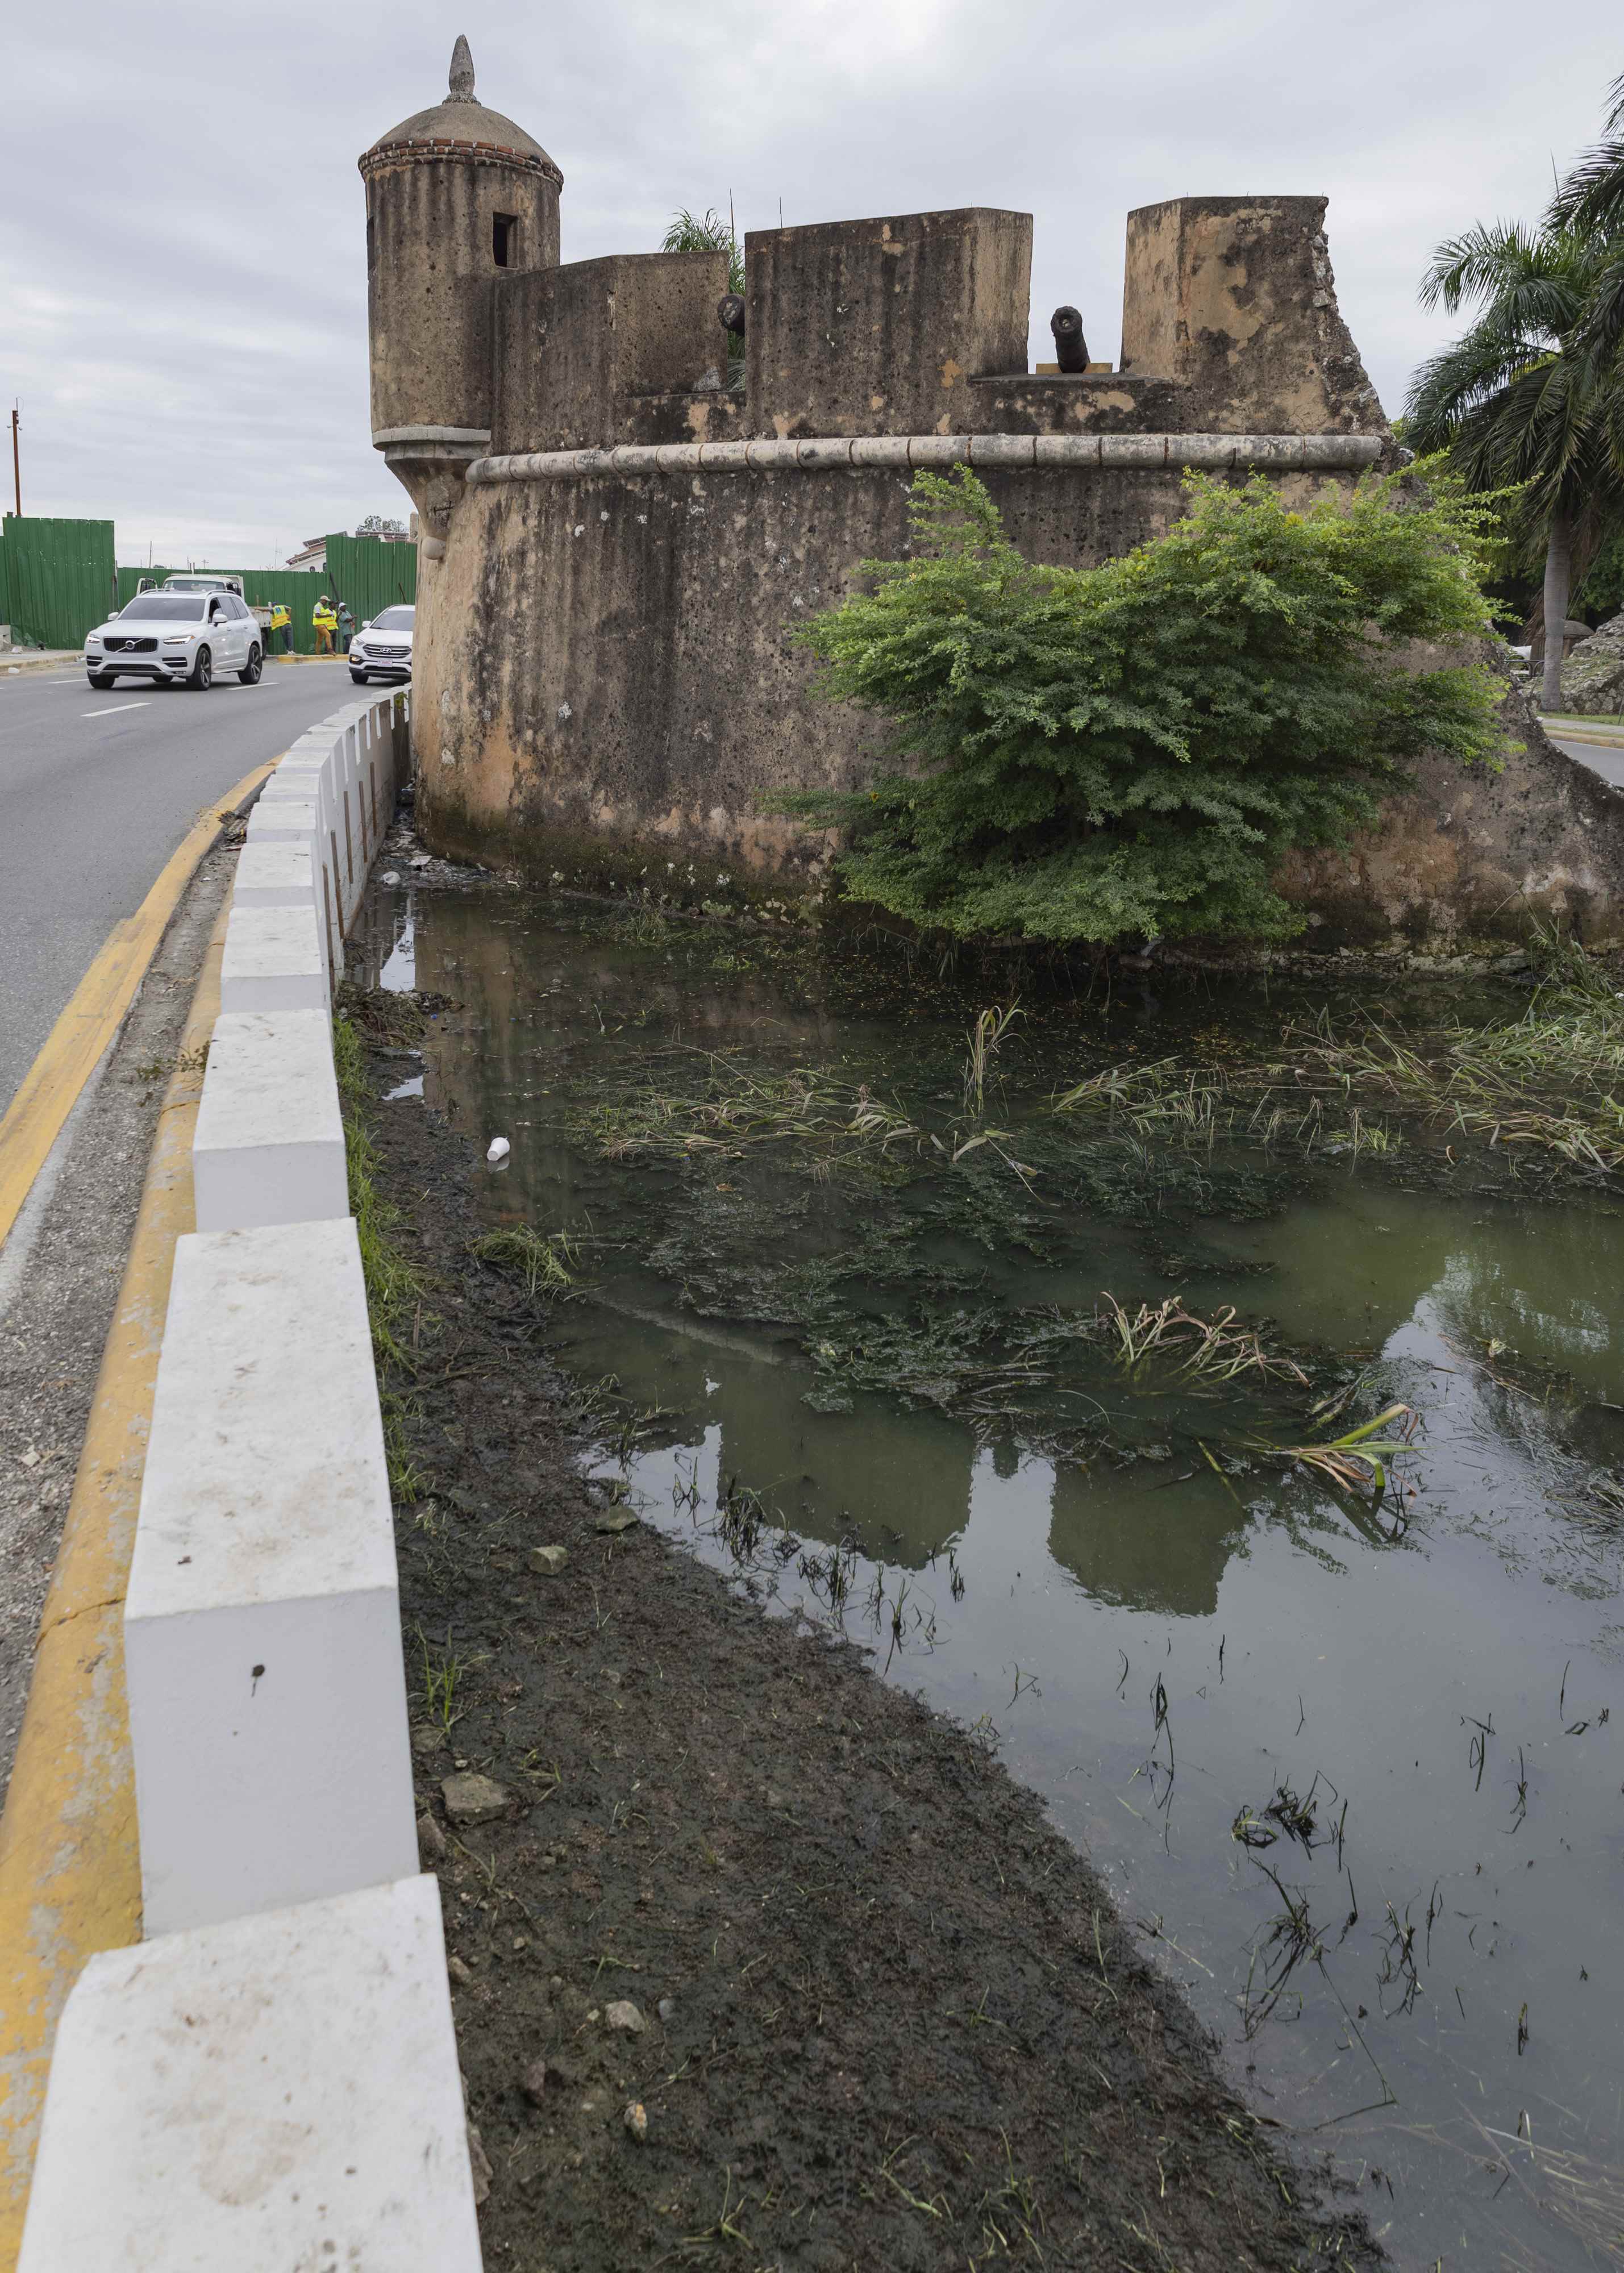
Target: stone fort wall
point(605, 671)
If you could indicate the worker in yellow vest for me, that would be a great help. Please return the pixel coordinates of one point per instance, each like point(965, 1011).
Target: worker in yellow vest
point(282, 623)
point(324, 622)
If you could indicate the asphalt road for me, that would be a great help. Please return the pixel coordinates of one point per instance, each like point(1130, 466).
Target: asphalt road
point(95, 792)
point(1608, 763)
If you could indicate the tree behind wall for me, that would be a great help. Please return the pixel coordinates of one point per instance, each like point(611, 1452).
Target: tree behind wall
point(1519, 401)
point(1131, 750)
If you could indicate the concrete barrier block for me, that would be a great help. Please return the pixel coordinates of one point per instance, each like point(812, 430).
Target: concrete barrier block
point(272, 961)
point(274, 2093)
point(269, 1142)
point(262, 1623)
point(270, 875)
point(285, 821)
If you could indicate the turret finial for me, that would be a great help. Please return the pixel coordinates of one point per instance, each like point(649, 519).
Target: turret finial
point(461, 72)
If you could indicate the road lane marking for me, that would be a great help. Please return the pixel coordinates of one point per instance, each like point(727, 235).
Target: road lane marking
point(114, 712)
point(50, 1088)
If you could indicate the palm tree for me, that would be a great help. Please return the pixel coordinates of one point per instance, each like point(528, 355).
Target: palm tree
point(1590, 201)
point(707, 232)
point(1520, 399)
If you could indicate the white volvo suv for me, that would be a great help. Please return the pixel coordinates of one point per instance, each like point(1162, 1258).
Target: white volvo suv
point(172, 638)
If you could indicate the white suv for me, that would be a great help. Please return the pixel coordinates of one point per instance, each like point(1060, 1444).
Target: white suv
point(175, 637)
point(382, 647)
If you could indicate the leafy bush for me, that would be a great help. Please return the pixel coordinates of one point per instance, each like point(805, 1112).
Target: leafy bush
point(1131, 749)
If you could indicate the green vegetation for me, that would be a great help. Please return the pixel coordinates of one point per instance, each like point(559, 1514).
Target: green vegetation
point(544, 1266)
point(1530, 398)
point(394, 1287)
point(707, 232)
point(1097, 754)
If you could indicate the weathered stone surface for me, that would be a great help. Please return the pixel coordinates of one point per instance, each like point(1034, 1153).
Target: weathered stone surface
point(599, 351)
point(548, 1561)
point(874, 327)
point(623, 2015)
point(1234, 298)
point(1593, 675)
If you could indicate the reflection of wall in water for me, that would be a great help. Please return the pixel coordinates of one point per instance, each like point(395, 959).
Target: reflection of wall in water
point(1125, 1540)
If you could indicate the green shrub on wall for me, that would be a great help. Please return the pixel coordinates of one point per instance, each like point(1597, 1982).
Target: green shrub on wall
point(1130, 750)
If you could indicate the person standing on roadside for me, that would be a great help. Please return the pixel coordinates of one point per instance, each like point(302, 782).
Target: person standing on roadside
point(324, 623)
point(281, 621)
point(347, 627)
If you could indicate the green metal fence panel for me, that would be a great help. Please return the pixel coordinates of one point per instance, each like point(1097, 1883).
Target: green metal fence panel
point(370, 575)
point(57, 578)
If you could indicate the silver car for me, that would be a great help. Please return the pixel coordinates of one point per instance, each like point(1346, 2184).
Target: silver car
point(176, 638)
point(382, 649)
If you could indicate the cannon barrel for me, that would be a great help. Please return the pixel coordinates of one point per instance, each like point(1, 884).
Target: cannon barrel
point(1071, 348)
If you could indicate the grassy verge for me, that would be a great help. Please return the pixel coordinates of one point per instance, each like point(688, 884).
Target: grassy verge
point(395, 1287)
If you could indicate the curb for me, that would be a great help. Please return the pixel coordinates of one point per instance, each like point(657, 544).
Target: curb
point(53, 659)
point(70, 1870)
point(73, 1049)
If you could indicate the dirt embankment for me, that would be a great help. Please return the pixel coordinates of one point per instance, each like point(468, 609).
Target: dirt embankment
point(754, 1960)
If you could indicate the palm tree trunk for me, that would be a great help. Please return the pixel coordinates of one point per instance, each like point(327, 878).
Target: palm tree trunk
point(1559, 564)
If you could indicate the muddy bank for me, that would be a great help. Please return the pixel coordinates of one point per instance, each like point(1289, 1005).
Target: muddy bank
point(883, 2013)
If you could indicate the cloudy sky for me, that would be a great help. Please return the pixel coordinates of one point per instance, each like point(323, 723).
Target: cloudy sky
point(182, 288)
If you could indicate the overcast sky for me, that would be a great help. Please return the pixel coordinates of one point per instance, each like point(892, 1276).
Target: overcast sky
point(182, 284)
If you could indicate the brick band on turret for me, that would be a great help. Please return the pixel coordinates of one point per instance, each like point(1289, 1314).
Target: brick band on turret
point(436, 148)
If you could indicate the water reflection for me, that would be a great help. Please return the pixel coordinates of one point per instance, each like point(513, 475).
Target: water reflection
point(1444, 1668)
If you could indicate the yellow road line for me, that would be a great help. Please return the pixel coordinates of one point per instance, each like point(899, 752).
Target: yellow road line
point(70, 1865)
point(51, 1086)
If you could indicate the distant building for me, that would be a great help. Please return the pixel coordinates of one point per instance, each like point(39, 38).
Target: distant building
point(311, 554)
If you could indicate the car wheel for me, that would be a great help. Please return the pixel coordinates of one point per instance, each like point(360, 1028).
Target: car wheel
point(359, 677)
point(99, 679)
point(202, 674)
point(251, 677)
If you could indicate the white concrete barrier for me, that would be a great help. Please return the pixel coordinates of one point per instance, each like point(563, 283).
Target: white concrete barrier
point(269, 1142)
point(272, 960)
point(271, 875)
point(290, 821)
point(278, 2093)
point(262, 1620)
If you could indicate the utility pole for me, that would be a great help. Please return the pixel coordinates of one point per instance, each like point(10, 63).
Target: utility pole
point(17, 467)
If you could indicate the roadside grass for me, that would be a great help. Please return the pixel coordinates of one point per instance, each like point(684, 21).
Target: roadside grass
point(395, 1287)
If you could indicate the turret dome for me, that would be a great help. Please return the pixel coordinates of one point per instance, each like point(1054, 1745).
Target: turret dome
point(460, 123)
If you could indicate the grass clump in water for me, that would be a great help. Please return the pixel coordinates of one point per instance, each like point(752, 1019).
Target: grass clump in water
point(545, 1266)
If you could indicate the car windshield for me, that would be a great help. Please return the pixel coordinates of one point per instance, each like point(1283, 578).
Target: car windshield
point(166, 607)
point(394, 619)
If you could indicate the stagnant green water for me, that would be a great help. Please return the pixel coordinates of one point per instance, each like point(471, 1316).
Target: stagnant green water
point(883, 1397)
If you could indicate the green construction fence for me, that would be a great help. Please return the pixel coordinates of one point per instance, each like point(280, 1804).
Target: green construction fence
point(57, 578)
point(364, 571)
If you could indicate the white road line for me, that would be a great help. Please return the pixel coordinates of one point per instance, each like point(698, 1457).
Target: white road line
point(114, 712)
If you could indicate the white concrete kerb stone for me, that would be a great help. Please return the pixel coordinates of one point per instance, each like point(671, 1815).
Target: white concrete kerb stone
point(262, 1619)
point(283, 820)
point(269, 1142)
point(272, 874)
point(272, 960)
point(275, 2093)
